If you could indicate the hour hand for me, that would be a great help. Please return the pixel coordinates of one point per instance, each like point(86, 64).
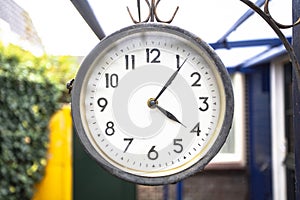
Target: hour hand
point(169, 115)
point(152, 103)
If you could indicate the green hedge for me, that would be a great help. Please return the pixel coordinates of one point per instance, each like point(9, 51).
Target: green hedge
point(27, 101)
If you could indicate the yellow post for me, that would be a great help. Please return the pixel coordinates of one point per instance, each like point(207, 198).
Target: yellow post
point(57, 182)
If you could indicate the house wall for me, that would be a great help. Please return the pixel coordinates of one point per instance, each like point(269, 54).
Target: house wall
point(207, 185)
point(16, 27)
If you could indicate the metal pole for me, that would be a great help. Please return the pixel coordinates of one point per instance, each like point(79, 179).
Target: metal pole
point(179, 190)
point(166, 192)
point(88, 15)
point(296, 98)
point(240, 21)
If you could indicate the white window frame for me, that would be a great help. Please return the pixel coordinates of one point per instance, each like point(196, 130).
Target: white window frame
point(237, 159)
point(278, 129)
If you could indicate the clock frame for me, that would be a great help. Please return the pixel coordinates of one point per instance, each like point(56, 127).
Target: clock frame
point(108, 49)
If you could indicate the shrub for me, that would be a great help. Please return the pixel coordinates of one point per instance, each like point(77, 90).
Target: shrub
point(28, 98)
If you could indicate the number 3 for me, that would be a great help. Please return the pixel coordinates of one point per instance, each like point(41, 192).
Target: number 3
point(205, 104)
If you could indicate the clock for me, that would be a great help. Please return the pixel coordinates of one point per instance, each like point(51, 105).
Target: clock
point(152, 103)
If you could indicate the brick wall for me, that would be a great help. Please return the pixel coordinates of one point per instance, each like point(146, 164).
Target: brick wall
point(208, 185)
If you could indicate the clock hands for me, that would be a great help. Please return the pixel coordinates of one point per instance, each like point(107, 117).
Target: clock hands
point(169, 115)
point(170, 80)
point(154, 104)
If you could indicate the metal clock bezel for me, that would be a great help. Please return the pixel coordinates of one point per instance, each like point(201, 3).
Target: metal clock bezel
point(92, 57)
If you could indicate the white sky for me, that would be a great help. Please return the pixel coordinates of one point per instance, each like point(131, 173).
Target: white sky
point(64, 32)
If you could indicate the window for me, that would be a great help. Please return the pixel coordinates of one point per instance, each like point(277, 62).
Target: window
point(232, 155)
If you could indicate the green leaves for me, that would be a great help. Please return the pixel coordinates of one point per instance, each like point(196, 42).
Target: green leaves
point(28, 98)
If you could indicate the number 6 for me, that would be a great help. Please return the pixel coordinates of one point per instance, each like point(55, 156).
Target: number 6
point(152, 154)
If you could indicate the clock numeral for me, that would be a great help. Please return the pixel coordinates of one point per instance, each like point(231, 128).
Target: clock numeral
point(130, 65)
point(196, 129)
point(152, 154)
point(198, 78)
point(102, 103)
point(156, 55)
point(176, 142)
point(129, 143)
point(110, 128)
point(177, 61)
point(111, 80)
point(205, 105)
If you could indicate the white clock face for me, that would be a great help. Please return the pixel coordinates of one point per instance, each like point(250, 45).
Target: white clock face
point(136, 122)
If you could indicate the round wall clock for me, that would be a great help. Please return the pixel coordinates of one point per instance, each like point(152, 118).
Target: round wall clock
point(152, 104)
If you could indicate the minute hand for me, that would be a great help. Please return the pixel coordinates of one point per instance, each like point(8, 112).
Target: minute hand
point(170, 80)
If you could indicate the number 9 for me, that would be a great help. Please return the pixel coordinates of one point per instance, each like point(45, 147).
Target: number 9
point(102, 103)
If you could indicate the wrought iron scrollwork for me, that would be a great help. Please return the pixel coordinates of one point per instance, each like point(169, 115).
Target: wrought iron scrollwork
point(282, 26)
point(152, 12)
point(265, 14)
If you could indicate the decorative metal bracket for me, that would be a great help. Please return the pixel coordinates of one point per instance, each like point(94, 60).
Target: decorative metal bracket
point(276, 27)
point(152, 12)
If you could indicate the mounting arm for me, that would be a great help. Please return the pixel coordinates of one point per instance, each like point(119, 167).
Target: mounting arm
point(85, 10)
